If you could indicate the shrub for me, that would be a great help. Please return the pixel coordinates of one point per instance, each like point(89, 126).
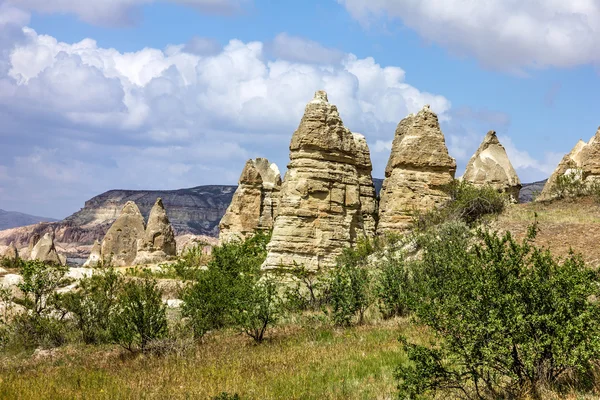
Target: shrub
point(218, 290)
point(93, 304)
point(308, 291)
point(140, 315)
point(467, 203)
point(40, 281)
point(350, 287)
point(394, 287)
point(507, 317)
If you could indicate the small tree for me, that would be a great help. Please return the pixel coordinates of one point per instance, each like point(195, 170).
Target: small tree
point(507, 317)
point(140, 316)
point(93, 304)
point(308, 291)
point(40, 281)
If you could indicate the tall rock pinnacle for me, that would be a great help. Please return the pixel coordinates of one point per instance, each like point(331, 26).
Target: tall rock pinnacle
point(158, 241)
point(121, 240)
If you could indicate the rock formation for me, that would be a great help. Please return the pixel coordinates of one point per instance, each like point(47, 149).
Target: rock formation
point(490, 166)
point(320, 200)
point(11, 252)
point(95, 255)
point(44, 250)
point(418, 168)
point(121, 240)
point(255, 201)
point(368, 195)
point(158, 242)
point(584, 160)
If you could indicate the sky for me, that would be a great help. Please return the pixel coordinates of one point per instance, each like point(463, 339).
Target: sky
point(151, 94)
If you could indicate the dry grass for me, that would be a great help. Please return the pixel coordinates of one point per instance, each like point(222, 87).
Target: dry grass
point(564, 225)
point(296, 363)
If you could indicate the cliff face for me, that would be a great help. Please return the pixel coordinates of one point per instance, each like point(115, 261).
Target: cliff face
point(194, 211)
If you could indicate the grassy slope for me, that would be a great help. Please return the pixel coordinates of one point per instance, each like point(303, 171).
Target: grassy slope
point(296, 363)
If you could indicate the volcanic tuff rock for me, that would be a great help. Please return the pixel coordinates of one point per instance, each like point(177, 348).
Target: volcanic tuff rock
point(255, 201)
point(11, 252)
point(320, 203)
point(490, 166)
point(584, 158)
point(121, 240)
point(418, 167)
point(44, 250)
point(95, 255)
point(368, 195)
point(158, 242)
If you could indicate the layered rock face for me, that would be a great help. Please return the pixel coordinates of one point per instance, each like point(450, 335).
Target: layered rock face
point(254, 203)
point(121, 240)
point(418, 168)
point(320, 200)
point(583, 159)
point(95, 255)
point(490, 166)
point(158, 242)
point(44, 250)
point(368, 195)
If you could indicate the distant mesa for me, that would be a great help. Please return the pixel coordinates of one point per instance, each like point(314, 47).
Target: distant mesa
point(583, 161)
point(490, 166)
point(254, 202)
point(418, 169)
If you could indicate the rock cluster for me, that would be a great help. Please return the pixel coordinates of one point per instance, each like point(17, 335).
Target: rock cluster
point(584, 160)
point(320, 207)
point(11, 252)
point(490, 166)
point(254, 202)
point(129, 241)
point(158, 242)
point(44, 250)
point(418, 168)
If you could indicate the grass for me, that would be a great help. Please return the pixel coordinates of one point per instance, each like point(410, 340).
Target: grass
point(295, 363)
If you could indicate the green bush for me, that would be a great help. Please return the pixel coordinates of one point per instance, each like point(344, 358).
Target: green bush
point(507, 317)
point(468, 203)
point(218, 292)
point(140, 315)
point(308, 292)
point(93, 304)
point(394, 287)
point(40, 281)
point(351, 286)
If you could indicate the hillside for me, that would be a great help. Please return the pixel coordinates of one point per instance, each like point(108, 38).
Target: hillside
point(13, 219)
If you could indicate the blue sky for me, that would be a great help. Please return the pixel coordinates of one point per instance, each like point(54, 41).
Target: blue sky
point(144, 94)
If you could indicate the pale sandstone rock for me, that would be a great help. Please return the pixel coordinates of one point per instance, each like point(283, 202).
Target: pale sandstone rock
point(121, 240)
point(320, 200)
point(11, 252)
point(368, 195)
point(95, 255)
point(584, 159)
point(158, 243)
point(418, 168)
point(254, 203)
point(490, 166)
point(44, 250)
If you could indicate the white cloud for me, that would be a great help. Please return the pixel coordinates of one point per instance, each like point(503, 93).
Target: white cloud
point(102, 119)
point(294, 48)
point(503, 34)
point(119, 12)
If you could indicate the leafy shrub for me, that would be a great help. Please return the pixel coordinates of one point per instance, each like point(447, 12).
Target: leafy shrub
point(94, 303)
point(219, 291)
point(467, 203)
point(40, 281)
point(350, 287)
point(507, 317)
point(140, 315)
point(11, 263)
point(309, 290)
point(394, 287)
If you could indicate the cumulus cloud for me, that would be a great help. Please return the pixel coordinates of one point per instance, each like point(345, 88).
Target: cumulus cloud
point(79, 119)
point(503, 34)
point(294, 48)
point(119, 12)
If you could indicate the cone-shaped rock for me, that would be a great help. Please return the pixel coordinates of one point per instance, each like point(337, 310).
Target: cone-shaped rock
point(490, 166)
point(254, 203)
point(121, 240)
point(11, 252)
point(320, 205)
point(44, 250)
point(158, 243)
point(418, 168)
point(584, 158)
point(368, 195)
point(95, 255)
